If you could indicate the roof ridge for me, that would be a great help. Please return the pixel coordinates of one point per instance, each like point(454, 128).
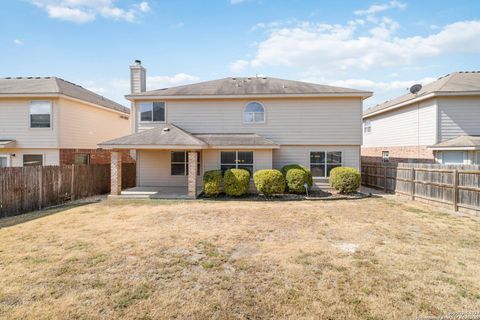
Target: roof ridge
point(449, 76)
point(186, 133)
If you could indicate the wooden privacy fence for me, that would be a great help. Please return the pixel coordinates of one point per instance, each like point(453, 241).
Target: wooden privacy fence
point(25, 189)
point(457, 186)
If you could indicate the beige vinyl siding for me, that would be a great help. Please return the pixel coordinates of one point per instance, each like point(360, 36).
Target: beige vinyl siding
point(51, 157)
point(288, 121)
point(409, 126)
point(301, 155)
point(153, 167)
point(458, 116)
point(15, 124)
point(84, 126)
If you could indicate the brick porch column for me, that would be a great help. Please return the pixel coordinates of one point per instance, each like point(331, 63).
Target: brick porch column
point(192, 174)
point(116, 173)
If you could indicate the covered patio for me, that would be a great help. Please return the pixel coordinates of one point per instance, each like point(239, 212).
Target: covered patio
point(171, 161)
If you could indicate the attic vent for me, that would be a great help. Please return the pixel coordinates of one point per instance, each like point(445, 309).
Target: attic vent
point(166, 129)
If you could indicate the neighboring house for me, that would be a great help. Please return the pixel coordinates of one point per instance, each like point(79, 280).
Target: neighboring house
point(253, 123)
point(49, 121)
point(441, 123)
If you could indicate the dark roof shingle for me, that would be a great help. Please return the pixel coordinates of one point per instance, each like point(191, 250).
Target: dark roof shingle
point(54, 85)
point(250, 86)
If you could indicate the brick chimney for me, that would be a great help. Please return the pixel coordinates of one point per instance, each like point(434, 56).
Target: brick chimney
point(137, 77)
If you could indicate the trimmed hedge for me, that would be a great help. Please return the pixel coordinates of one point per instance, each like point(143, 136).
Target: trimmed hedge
point(293, 184)
point(212, 183)
point(236, 181)
point(296, 179)
point(345, 179)
point(269, 181)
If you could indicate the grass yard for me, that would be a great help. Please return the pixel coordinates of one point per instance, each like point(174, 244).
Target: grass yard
point(365, 259)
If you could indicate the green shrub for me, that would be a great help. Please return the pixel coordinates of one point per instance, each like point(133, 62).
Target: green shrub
point(345, 179)
point(296, 179)
point(295, 185)
point(236, 182)
point(212, 183)
point(269, 181)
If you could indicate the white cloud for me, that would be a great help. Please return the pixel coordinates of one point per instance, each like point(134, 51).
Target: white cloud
point(237, 1)
point(18, 42)
point(238, 66)
point(157, 82)
point(383, 90)
point(343, 47)
point(82, 11)
point(377, 8)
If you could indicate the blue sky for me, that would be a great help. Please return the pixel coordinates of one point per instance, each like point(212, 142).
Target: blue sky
point(383, 46)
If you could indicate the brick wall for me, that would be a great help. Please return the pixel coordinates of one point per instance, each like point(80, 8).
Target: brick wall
point(417, 154)
point(67, 156)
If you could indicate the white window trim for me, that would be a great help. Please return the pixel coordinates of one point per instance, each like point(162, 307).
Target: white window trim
point(34, 154)
point(255, 122)
point(236, 157)
point(139, 112)
point(186, 163)
point(9, 159)
point(325, 163)
point(465, 157)
point(369, 127)
point(30, 115)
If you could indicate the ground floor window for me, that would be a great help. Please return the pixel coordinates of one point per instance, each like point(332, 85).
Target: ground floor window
point(179, 163)
point(32, 160)
point(4, 161)
point(322, 162)
point(453, 157)
point(82, 158)
point(386, 156)
point(236, 160)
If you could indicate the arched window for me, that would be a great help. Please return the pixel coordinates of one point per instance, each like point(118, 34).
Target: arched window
point(254, 113)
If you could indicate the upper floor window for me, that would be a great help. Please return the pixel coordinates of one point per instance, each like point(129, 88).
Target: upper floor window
point(152, 112)
point(254, 113)
point(367, 126)
point(40, 114)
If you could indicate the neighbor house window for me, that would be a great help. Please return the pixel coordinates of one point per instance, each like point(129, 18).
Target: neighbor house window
point(386, 156)
point(4, 161)
point(254, 113)
point(152, 112)
point(40, 114)
point(322, 162)
point(453, 157)
point(179, 163)
point(82, 158)
point(236, 160)
point(32, 160)
point(367, 126)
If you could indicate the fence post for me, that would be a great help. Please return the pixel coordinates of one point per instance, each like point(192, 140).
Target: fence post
point(455, 190)
point(413, 183)
point(40, 186)
point(385, 179)
point(72, 184)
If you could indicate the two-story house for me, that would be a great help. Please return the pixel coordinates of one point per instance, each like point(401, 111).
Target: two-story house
point(50, 121)
point(253, 123)
point(440, 123)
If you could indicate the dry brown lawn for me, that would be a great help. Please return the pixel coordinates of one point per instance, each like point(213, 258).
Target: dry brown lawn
point(363, 259)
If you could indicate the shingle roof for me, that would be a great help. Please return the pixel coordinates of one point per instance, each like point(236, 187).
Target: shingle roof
point(54, 85)
point(171, 135)
point(459, 142)
point(166, 135)
point(457, 82)
point(250, 86)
